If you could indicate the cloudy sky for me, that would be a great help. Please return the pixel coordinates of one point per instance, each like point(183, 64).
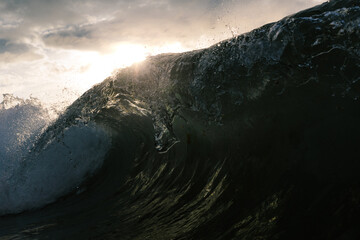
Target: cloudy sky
point(52, 48)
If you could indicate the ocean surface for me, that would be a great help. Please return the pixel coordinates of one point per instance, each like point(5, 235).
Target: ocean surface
point(256, 137)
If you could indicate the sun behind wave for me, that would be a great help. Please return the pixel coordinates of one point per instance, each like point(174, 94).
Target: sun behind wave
point(102, 65)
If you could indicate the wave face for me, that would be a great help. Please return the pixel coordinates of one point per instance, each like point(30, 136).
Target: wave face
point(253, 138)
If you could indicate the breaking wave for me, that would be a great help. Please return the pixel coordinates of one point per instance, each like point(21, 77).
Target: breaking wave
point(253, 138)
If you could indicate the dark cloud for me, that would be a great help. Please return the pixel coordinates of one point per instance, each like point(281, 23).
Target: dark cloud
point(13, 52)
point(78, 37)
point(7, 46)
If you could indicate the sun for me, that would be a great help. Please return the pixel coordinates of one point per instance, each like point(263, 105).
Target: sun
point(123, 56)
point(128, 54)
point(99, 66)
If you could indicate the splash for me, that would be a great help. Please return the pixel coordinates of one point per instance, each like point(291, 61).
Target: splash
point(29, 179)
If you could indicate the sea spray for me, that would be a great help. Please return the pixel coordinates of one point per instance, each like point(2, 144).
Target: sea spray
point(31, 179)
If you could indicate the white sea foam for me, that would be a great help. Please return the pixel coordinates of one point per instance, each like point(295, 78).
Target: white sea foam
point(30, 179)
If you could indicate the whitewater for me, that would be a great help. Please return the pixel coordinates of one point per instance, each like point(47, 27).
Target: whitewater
point(31, 178)
point(255, 137)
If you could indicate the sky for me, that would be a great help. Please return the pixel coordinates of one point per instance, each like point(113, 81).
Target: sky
point(57, 49)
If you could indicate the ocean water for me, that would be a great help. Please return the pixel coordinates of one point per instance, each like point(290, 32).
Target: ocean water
point(253, 138)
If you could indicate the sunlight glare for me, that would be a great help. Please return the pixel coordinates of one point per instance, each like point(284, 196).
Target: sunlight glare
point(100, 66)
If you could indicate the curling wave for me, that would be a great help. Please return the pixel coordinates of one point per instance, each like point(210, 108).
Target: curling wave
point(253, 138)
